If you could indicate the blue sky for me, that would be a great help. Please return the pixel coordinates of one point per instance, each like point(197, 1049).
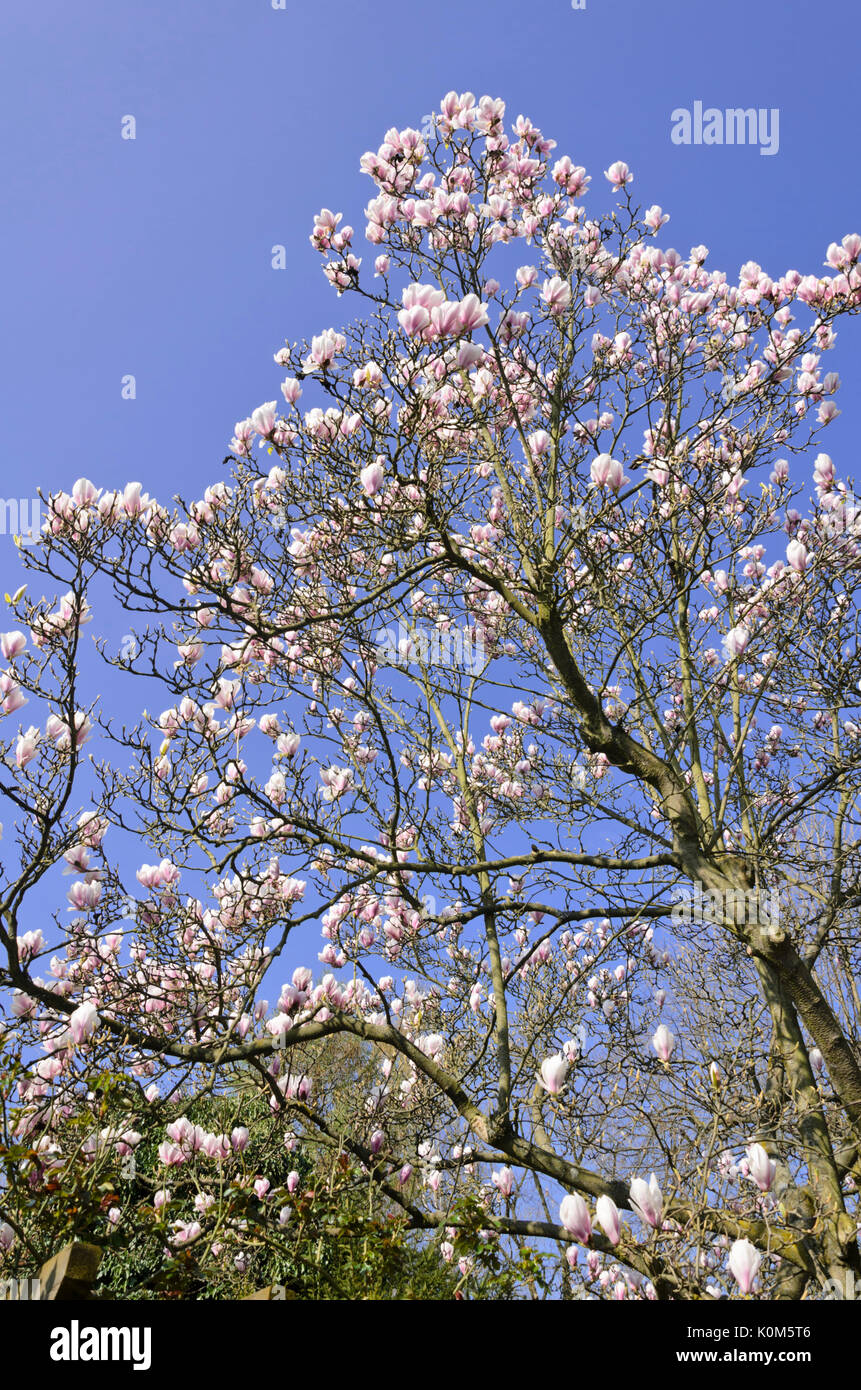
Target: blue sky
point(153, 256)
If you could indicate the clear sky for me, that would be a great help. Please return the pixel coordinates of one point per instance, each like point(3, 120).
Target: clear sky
point(152, 256)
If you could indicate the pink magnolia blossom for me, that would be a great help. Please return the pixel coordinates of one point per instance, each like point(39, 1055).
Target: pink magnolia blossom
point(324, 349)
point(15, 697)
point(503, 1181)
point(647, 1199)
point(371, 478)
point(607, 1215)
point(744, 1262)
point(171, 1155)
point(85, 895)
point(414, 320)
point(607, 472)
point(50, 1067)
point(25, 748)
point(22, 1004)
point(556, 294)
point(655, 218)
point(291, 390)
point(185, 1232)
point(736, 641)
point(263, 418)
point(663, 1042)
point(823, 472)
point(761, 1168)
point(553, 1073)
point(134, 502)
point(574, 1216)
point(83, 1023)
point(471, 314)
point(30, 943)
point(619, 174)
point(85, 493)
point(12, 644)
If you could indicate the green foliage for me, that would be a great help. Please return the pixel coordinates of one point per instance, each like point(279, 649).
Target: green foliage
point(343, 1238)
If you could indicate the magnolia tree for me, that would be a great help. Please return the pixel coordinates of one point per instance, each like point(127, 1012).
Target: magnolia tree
point(506, 727)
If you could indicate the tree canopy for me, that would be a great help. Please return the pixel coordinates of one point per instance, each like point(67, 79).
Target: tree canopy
point(502, 794)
